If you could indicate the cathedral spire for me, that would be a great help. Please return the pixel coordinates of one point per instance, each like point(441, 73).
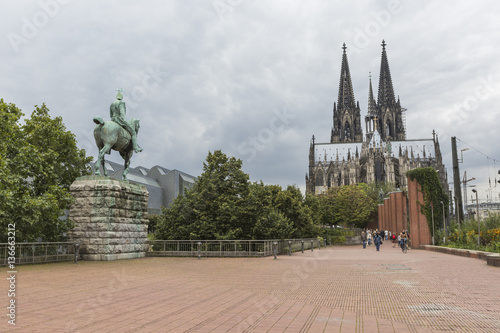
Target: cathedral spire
point(346, 113)
point(386, 95)
point(372, 106)
point(346, 93)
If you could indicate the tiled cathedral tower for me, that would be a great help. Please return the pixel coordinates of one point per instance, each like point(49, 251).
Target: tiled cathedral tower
point(346, 113)
point(389, 112)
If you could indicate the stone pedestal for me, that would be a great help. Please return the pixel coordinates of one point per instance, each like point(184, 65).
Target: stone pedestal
point(110, 218)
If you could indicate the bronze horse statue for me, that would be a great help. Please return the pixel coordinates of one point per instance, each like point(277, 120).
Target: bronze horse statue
point(110, 135)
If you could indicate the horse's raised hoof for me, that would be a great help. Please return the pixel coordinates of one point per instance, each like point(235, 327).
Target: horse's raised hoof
point(138, 150)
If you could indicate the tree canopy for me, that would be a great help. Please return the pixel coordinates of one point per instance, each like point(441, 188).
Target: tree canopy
point(38, 162)
point(353, 205)
point(224, 204)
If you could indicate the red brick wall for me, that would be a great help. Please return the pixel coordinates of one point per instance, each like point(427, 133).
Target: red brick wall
point(392, 214)
point(400, 201)
point(387, 214)
point(419, 229)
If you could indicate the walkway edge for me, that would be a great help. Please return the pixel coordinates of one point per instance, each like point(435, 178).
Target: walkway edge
point(492, 259)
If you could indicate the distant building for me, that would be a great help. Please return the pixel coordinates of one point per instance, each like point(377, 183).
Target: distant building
point(383, 154)
point(163, 185)
point(485, 209)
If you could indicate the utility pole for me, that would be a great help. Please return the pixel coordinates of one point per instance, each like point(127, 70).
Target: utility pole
point(456, 180)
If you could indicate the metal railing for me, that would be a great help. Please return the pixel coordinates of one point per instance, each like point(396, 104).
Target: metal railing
point(228, 248)
point(35, 253)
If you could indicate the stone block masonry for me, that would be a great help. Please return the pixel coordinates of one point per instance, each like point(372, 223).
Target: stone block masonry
point(110, 218)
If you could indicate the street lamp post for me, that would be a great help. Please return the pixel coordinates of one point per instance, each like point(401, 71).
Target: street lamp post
point(478, 224)
point(444, 224)
point(432, 214)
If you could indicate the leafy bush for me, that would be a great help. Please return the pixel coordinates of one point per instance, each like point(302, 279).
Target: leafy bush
point(465, 237)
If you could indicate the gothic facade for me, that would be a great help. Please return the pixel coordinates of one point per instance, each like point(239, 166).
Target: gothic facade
point(383, 154)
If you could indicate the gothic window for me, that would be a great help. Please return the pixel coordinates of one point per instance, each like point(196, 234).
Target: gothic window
point(347, 130)
point(339, 179)
point(388, 129)
point(319, 178)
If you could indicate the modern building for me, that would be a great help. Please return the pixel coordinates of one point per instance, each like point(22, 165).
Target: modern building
point(383, 154)
point(163, 185)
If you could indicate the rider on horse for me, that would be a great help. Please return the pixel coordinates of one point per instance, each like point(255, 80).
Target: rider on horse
point(117, 112)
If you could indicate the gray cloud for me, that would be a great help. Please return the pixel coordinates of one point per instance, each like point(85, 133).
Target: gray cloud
point(207, 75)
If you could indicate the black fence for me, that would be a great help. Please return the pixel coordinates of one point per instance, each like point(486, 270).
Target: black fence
point(36, 253)
point(229, 248)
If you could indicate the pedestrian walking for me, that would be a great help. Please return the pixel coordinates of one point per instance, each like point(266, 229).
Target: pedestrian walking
point(369, 237)
point(363, 239)
point(386, 234)
point(377, 239)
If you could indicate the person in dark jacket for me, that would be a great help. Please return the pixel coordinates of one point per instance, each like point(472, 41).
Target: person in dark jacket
point(363, 239)
point(377, 239)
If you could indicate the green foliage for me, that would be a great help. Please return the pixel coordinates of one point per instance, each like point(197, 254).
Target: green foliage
point(153, 222)
point(38, 163)
point(223, 204)
point(290, 203)
point(465, 237)
point(492, 221)
point(434, 195)
point(353, 205)
point(378, 191)
point(337, 236)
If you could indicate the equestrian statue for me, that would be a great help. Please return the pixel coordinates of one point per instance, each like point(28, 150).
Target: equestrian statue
point(117, 134)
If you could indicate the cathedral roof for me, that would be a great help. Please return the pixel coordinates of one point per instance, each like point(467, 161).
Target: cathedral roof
point(423, 148)
point(326, 152)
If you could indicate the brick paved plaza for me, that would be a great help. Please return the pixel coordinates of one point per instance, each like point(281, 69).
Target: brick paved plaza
point(338, 289)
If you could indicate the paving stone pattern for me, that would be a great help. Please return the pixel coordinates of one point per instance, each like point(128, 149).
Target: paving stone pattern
point(337, 289)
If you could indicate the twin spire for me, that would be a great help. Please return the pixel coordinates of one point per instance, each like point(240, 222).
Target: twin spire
point(386, 111)
point(386, 94)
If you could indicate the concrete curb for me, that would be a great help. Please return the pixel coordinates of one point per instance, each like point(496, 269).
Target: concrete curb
point(492, 259)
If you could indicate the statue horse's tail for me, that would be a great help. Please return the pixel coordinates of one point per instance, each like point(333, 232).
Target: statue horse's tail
point(98, 120)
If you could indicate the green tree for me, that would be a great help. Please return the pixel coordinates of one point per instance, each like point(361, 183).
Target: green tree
point(223, 204)
point(214, 208)
point(353, 205)
point(290, 203)
point(39, 161)
point(325, 207)
point(263, 217)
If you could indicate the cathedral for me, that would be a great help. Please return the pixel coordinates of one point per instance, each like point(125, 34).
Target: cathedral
point(383, 154)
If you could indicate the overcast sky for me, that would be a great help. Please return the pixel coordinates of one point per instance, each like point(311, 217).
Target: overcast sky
point(256, 79)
